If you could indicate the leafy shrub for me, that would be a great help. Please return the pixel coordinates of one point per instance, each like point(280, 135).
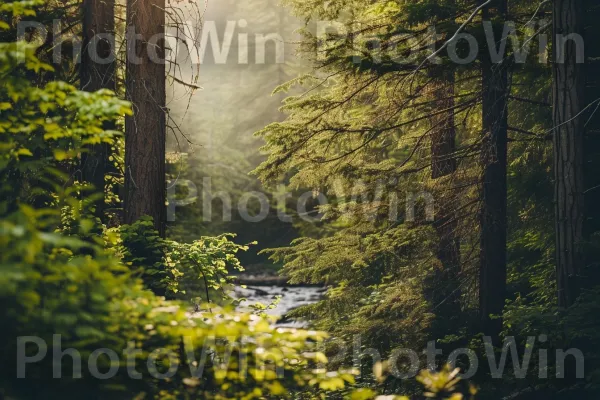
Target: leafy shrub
point(200, 269)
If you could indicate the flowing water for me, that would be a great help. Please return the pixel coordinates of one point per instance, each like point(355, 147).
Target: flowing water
point(291, 297)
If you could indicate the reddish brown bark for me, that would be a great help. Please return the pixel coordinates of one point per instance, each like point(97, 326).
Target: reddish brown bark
point(145, 131)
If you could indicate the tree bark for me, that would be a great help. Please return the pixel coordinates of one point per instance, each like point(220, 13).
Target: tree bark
point(145, 131)
point(591, 146)
point(97, 71)
point(443, 136)
point(492, 279)
point(569, 103)
point(443, 163)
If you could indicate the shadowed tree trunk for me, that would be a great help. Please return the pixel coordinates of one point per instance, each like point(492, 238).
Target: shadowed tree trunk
point(569, 102)
point(97, 72)
point(145, 131)
point(591, 147)
point(446, 293)
point(443, 136)
point(492, 279)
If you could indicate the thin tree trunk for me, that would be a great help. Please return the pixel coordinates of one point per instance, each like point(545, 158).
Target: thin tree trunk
point(569, 101)
point(97, 72)
point(443, 141)
point(145, 131)
point(492, 280)
point(443, 163)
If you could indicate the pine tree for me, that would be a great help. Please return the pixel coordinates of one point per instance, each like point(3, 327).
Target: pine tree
point(371, 130)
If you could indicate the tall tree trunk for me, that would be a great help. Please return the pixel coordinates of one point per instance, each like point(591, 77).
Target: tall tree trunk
point(145, 131)
point(443, 163)
point(569, 102)
point(492, 279)
point(98, 66)
point(591, 147)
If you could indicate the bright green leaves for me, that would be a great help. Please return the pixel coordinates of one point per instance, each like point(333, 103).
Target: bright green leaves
point(20, 8)
point(199, 269)
point(34, 117)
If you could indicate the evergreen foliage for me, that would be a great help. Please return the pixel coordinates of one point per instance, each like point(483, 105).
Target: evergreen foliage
point(362, 133)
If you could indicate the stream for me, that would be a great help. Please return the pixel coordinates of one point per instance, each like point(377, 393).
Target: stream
point(292, 297)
